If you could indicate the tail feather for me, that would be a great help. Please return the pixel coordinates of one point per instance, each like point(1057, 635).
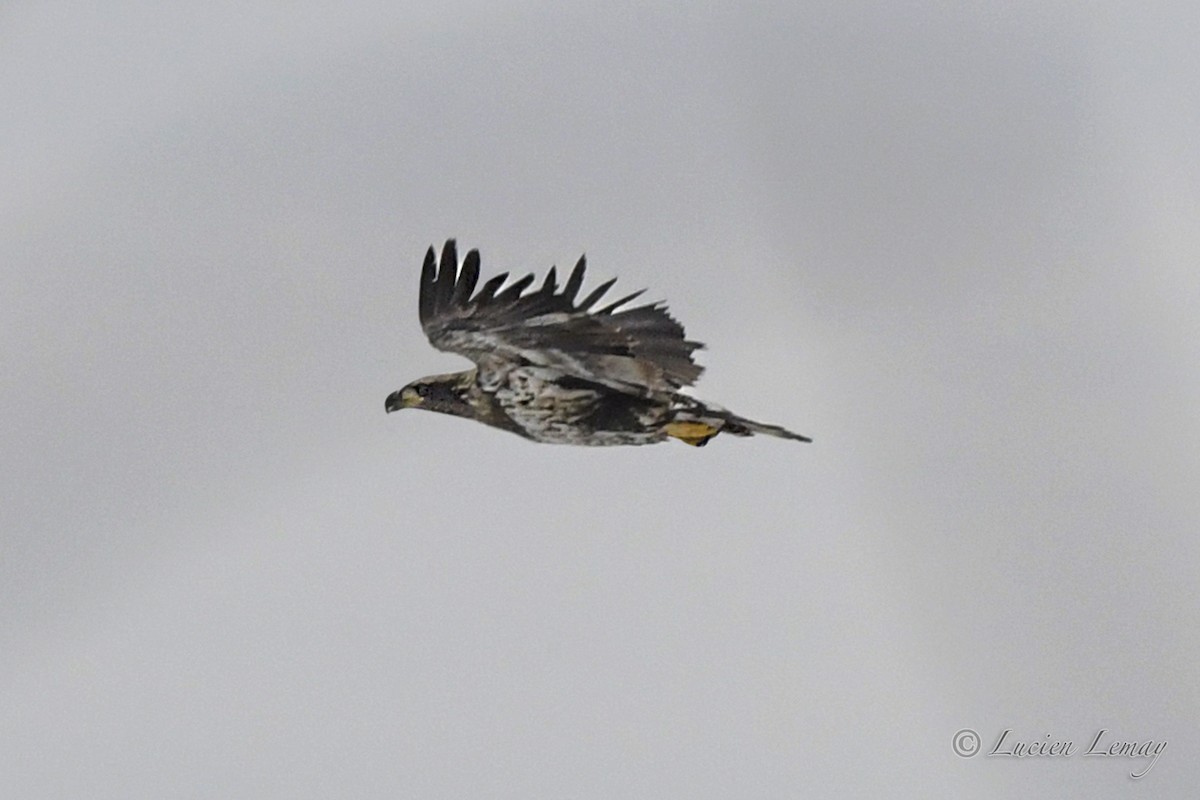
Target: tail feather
point(727, 422)
point(740, 426)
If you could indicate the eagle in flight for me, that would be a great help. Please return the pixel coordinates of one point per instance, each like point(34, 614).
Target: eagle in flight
point(553, 368)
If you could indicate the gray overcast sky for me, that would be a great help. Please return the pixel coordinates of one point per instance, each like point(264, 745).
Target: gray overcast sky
point(956, 246)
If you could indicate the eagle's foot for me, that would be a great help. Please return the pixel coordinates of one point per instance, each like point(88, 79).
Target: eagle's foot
point(696, 434)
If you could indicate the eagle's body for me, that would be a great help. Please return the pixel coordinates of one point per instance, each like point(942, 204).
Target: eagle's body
point(546, 406)
point(552, 370)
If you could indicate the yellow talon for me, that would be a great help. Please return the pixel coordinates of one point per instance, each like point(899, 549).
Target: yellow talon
point(694, 433)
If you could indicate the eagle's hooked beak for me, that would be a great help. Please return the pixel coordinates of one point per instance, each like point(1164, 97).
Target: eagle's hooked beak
point(405, 398)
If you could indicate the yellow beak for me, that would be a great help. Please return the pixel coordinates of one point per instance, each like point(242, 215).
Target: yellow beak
point(405, 398)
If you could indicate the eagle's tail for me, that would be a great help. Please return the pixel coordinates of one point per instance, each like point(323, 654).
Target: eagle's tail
point(695, 423)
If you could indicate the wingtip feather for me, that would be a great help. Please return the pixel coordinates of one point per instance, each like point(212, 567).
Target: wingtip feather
point(467, 278)
point(425, 302)
point(596, 294)
point(575, 280)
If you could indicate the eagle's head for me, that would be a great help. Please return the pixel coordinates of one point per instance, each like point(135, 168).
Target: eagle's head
point(446, 394)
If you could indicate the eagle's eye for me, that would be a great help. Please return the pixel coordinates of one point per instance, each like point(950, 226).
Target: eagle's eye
point(422, 389)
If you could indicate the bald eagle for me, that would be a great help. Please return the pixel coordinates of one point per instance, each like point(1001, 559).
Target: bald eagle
point(556, 369)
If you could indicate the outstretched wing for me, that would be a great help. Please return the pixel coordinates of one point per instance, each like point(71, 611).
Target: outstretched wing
point(640, 349)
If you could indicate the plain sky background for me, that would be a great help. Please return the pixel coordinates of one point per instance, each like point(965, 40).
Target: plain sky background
point(956, 244)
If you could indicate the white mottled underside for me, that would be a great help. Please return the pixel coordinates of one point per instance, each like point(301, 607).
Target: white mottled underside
point(549, 413)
